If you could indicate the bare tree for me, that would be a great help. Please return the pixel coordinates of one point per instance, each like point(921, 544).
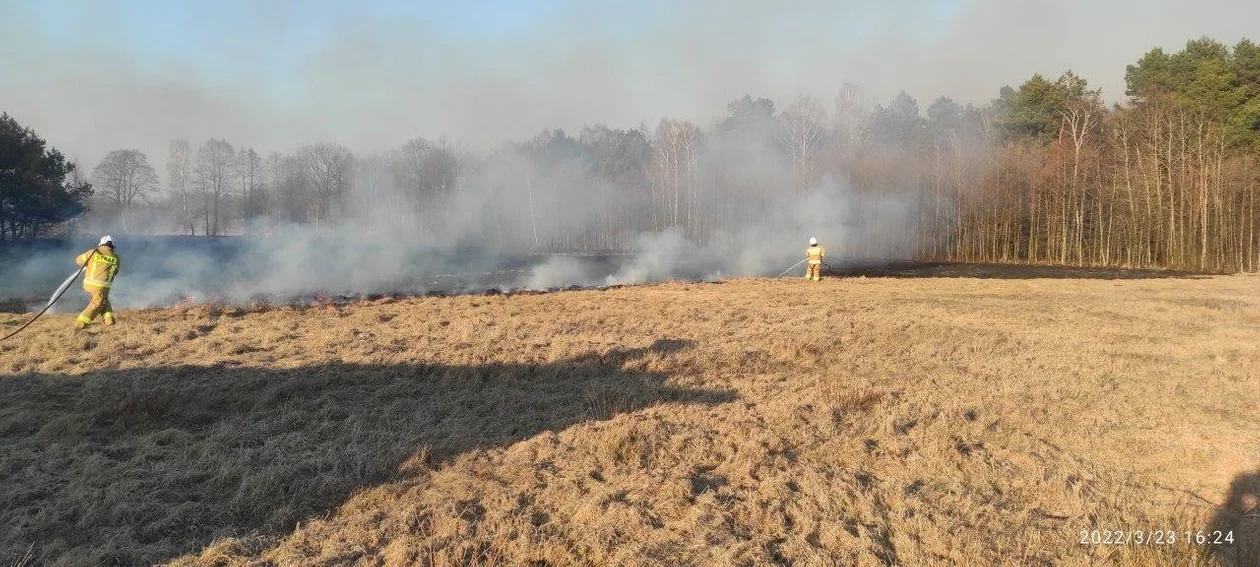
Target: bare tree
point(804, 133)
point(677, 147)
point(853, 115)
point(75, 178)
point(213, 178)
point(249, 175)
point(428, 173)
point(289, 187)
point(329, 168)
point(179, 180)
point(124, 176)
point(1079, 117)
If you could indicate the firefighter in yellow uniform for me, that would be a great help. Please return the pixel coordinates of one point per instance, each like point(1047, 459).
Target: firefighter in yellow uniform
point(100, 267)
point(814, 260)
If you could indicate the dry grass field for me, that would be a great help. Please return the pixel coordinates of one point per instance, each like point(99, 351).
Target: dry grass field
point(856, 421)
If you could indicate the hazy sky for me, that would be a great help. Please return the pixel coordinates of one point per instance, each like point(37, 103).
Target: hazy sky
point(94, 76)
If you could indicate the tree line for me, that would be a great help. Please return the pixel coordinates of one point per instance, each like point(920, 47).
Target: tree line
point(1046, 172)
point(39, 188)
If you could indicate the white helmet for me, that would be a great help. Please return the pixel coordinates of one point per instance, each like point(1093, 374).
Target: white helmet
point(812, 241)
point(107, 239)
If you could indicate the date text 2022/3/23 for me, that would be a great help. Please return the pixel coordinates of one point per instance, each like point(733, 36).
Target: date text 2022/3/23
point(1156, 537)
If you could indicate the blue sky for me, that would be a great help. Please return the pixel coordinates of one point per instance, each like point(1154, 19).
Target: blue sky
point(213, 37)
point(230, 39)
point(93, 76)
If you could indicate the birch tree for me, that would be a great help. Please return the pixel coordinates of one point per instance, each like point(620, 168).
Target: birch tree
point(804, 132)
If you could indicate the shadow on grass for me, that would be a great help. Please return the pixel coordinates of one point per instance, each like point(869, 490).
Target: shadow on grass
point(140, 466)
point(916, 269)
point(1240, 519)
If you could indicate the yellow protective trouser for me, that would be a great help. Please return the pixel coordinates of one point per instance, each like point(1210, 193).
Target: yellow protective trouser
point(98, 306)
point(813, 271)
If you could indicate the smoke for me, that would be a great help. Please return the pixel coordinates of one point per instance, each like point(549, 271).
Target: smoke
point(358, 257)
point(348, 261)
point(682, 202)
point(661, 256)
point(560, 271)
point(430, 216)
point(853, 227)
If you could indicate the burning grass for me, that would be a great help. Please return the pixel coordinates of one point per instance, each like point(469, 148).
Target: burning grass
point(854, 421)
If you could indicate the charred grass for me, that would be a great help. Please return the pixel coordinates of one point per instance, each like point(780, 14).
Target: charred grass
point(857, 421)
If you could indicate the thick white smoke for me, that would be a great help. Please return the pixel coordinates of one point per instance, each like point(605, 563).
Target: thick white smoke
point(559, 271)
point(506, 224)
point(851, 226)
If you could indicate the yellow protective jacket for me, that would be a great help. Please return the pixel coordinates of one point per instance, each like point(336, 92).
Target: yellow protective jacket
point(815, 254)
point(100, 272)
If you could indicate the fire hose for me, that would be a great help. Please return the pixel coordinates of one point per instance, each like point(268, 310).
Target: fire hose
point(791, 268)
point(797, 264)
point(56, 295)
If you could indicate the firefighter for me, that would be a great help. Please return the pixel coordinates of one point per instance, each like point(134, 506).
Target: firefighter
point(814, 260)
point(100, 267)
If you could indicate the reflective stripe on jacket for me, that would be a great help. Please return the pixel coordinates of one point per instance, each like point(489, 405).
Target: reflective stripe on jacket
point(815, 254)
point(102, 268)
